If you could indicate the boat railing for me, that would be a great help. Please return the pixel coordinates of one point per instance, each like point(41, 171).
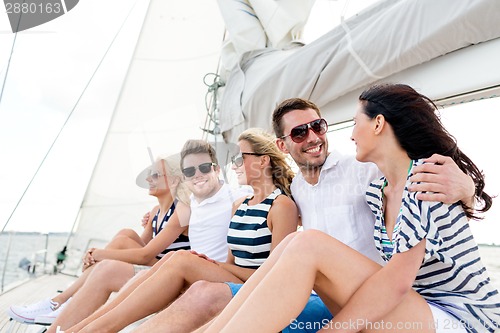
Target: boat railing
point(18, 249)
point(73, 264)
point(4, 270)
point(36, 260)
point(26, 252)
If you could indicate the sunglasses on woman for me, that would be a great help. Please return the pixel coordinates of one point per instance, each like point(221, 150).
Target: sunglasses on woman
point(154, 176)
point(299, 133)
point(238, 159)
point(203, 167)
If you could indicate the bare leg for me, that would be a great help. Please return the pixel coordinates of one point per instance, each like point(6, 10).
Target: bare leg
point(327, 265)
point(73, 288)
point(179, 272)
point(200, 303)
point(107, 276)
point(124, 239)
point(122, 295)
point(204, 327)
point(249, 286)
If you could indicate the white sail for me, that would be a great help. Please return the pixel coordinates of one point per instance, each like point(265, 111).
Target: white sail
point(158, 105)
point(381, 41)
point(446, 48)
point(161, 105)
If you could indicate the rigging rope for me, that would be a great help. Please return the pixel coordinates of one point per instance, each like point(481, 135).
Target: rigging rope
point(213, 90)
point(211, 103)
point(211, 106)
point(67, 119)
point(10, 56)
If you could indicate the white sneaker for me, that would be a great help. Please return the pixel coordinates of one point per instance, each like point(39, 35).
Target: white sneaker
point(27, 314)
point(48, 319)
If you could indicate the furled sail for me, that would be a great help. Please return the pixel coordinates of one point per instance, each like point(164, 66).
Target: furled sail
point(385, 39)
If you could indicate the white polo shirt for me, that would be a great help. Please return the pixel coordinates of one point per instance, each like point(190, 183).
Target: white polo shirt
point(209, 222)
point(337, 204)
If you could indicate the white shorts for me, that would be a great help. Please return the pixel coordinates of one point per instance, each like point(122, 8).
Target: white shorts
point(445, 322)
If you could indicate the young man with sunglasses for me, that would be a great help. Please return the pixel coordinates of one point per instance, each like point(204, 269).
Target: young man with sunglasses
point(330, 192)
point(211, 204)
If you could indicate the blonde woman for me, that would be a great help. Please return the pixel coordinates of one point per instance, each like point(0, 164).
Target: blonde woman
point(107, 270)
point(259, 223)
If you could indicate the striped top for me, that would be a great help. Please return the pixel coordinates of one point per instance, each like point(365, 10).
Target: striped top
point(181, 243)
point(249, 237)
point(385, 242)
point(452, 275)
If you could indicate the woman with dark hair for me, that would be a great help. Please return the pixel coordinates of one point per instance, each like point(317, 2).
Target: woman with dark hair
point(433, 279)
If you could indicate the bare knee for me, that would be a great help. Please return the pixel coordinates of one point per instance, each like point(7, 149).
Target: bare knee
point(124, 239)
point(309, 243)
point(209, 297)
point(105, 267)
point(126, 233)
point(108, 273)
point(181, 259)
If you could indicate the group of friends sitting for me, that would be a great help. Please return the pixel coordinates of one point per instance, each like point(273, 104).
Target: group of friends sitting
point(386, 244)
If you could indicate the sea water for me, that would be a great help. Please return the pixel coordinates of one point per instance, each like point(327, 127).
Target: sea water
point(23, 246)
point(26, 248)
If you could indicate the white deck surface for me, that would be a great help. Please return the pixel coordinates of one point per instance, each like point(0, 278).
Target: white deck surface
point(27, 293)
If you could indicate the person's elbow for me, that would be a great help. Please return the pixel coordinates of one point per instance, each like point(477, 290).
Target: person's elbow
point(145, 257)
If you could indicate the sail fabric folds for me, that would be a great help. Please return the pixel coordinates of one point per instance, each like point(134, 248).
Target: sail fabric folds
point(384, 39)
point(260, 24)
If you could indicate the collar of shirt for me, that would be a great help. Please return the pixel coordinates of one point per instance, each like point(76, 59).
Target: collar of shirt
point(221, 194)
point(331, 161)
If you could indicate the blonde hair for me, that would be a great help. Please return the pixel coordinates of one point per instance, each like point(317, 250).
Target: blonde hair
point(172, 168)
point(264, 143)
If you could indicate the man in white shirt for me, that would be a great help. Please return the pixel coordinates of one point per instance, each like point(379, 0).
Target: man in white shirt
point(330, 194)
point(208, 218)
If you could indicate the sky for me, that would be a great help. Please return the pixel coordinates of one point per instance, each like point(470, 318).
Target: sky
point(50, 67)
point(30, 118)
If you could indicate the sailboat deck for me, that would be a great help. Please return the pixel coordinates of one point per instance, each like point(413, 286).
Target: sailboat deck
point(30, 292)
point(48, 285)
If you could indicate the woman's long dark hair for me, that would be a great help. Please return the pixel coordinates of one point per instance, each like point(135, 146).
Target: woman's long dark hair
point(419, 131)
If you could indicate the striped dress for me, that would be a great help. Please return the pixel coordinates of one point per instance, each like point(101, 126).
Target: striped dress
point(181, 243)
point(249, 237)
point(452, 275)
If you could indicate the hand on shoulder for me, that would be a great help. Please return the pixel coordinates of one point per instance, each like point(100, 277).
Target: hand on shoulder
point(442, 180)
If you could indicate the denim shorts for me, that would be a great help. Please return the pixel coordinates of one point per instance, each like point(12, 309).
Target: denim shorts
point(314, 316)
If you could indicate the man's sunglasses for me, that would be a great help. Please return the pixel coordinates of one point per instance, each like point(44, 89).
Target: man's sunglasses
point(238, 159)
point(204, 168)
point(300, 133)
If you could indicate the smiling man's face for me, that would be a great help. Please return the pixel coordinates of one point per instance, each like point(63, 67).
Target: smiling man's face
point(202, 185)
point(310, 153)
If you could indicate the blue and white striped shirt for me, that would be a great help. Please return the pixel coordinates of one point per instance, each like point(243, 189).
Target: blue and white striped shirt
point(249, 237)
point(181, 243)
point(452, 275)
